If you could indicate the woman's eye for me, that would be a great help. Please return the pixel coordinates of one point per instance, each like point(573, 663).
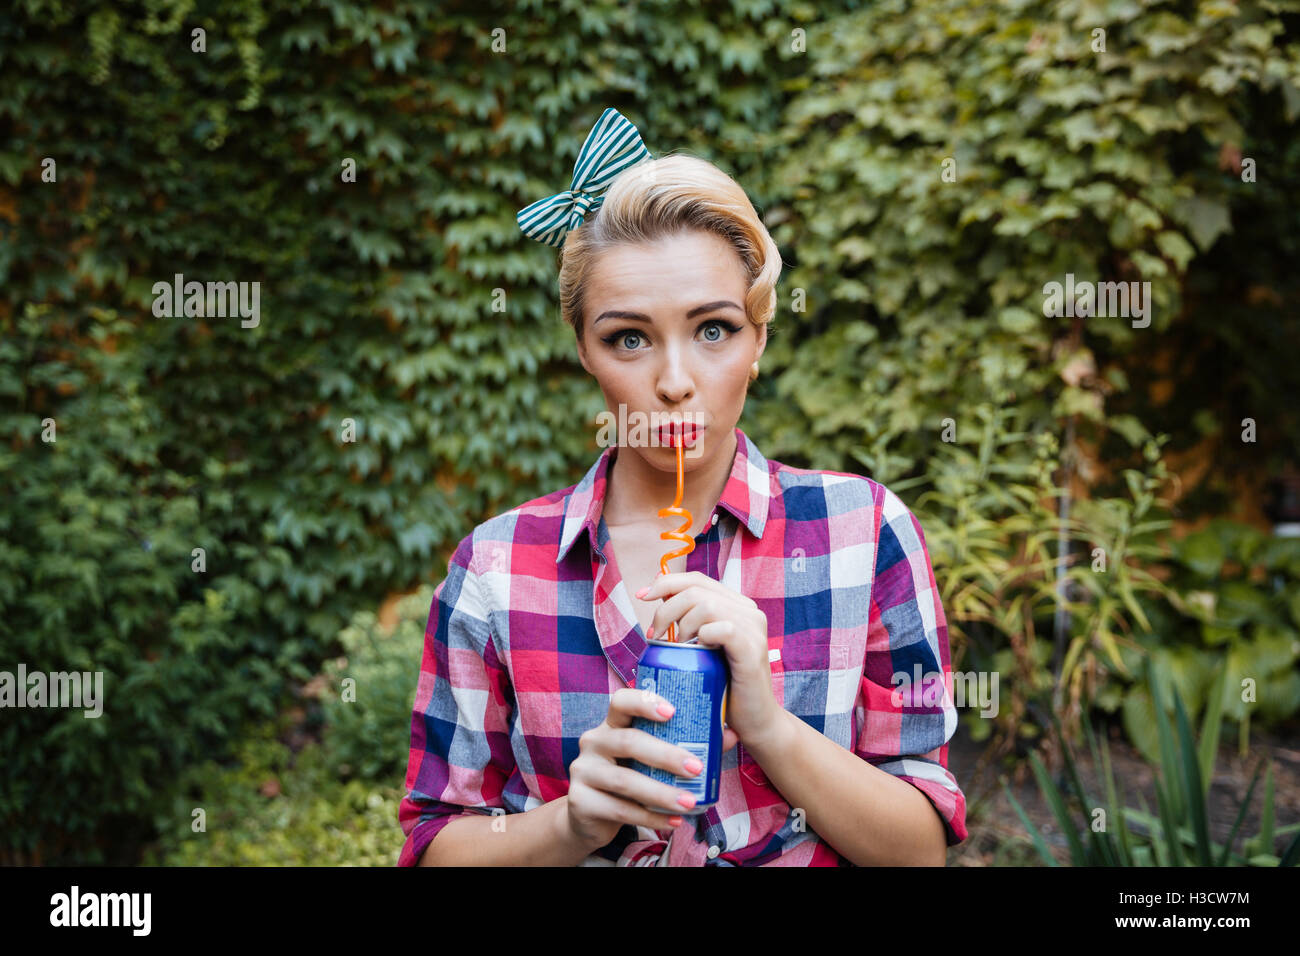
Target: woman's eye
point(621, 340)
point(717, 330)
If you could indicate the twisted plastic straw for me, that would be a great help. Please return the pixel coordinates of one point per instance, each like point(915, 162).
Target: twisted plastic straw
point(681, 534)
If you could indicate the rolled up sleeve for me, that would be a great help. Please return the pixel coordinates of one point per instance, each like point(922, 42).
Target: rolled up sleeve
point(460, 756)
point(906, 724)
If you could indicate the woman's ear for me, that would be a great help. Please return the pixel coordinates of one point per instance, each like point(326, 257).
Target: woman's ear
point(762, 341)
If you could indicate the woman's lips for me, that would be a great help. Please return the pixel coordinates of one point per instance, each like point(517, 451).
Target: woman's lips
point(689, 431)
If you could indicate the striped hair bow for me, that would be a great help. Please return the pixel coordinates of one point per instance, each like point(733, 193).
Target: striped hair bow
point(612, 146)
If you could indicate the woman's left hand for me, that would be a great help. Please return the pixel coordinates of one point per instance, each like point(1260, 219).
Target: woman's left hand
point(720, 617)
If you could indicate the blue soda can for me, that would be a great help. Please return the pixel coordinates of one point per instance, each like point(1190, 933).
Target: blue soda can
point(693, 678)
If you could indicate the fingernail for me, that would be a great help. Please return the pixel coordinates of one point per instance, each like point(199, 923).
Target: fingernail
point(694, 766)
point(665, 709)
point(675, 821)
point(649, 635)
point(686, 800)
point(642, 592)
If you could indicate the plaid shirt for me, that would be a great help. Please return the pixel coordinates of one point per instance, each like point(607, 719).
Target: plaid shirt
point(533, 630)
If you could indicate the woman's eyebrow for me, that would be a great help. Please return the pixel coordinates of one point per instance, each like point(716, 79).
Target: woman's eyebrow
point(698, 310)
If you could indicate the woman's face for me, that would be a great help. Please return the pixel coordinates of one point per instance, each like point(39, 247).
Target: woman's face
point(665, 331)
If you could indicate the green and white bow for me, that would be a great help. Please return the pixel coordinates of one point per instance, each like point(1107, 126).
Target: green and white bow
point(612, 146)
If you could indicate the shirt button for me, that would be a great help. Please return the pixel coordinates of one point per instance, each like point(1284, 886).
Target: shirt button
point(713, 852)
point(715, 518)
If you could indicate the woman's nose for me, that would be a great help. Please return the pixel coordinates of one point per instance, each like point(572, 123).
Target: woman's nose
point(676, 382)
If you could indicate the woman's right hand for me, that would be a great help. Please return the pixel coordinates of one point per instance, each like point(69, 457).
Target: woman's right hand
point(604, 795)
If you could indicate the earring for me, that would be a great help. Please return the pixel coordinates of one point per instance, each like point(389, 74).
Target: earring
point(753, 371)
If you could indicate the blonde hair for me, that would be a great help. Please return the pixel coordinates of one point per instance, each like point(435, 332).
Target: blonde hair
point(661, 198)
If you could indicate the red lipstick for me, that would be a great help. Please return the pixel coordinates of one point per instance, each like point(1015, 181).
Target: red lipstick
point(689, 431)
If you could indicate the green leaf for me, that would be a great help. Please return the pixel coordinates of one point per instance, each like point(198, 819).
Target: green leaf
point(1173, 245)
point(1205, 219)
point(1059, 810)
point(1017, 320)
point(1032, 830)
point(1241, 815)
point(1203, 552)
point(1139, 722)
point(1211, 725)
point(1194, 784)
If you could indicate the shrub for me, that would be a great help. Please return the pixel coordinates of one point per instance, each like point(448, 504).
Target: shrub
point(1180, 834)
point(333, 802)
point(274, 808)
point(1231, 610)
point(369, 736)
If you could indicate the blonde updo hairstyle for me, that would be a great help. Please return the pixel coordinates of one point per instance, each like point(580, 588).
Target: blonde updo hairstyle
point(663, 197)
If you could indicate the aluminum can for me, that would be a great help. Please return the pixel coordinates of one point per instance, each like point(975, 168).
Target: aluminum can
point(694, 679)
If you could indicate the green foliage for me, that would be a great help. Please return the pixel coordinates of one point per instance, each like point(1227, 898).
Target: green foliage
point(274, 808)
point(924, 297)
point(330, 803)
point(370, 736)
point(1179, 834)
point(1231, 610)
point(917, 300)
point(95, 577)
point(994, 522)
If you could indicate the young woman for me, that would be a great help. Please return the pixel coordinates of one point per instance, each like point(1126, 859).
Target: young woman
point(816, 584)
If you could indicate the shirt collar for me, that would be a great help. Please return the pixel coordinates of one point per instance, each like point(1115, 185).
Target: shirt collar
point(746, 495)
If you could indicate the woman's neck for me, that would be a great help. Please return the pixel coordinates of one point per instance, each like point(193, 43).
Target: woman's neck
point(634, 491)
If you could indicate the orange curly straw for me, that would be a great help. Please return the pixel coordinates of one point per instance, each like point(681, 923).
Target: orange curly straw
point(681, 534)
